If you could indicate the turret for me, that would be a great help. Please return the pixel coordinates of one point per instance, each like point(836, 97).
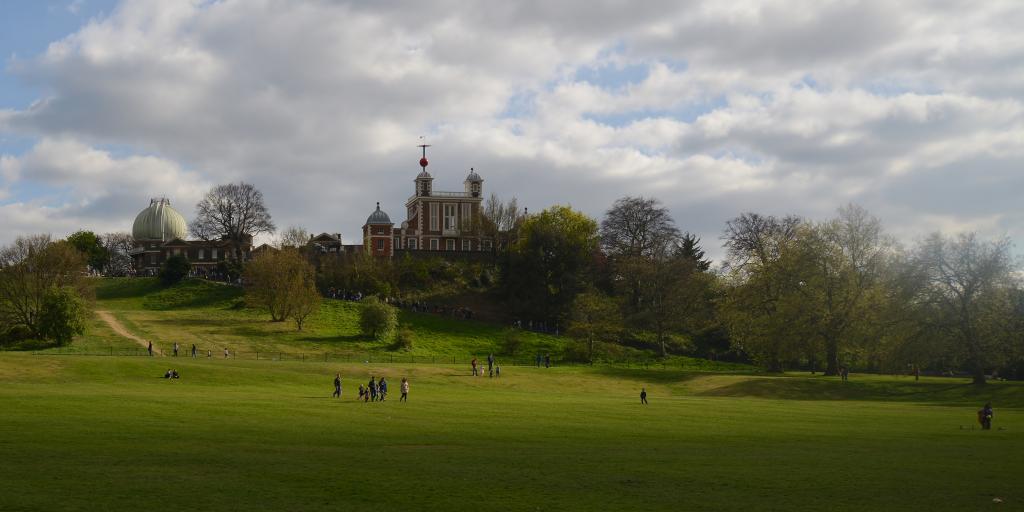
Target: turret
point(474, 183)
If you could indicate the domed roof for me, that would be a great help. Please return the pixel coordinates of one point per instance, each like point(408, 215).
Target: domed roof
point(378, 217)
point(473, 176)
point(159, 222)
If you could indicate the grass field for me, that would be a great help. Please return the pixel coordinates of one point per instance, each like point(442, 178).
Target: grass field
point(81, 432)
point(107, 433)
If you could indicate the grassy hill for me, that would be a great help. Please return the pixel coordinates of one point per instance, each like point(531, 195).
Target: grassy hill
point(214, 316)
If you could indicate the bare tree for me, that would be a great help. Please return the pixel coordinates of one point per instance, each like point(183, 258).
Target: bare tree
point(233, 212)
point(294, 236)
point(119, 246)
point(638, 226)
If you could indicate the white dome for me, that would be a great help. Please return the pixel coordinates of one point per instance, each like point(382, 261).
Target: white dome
point(159, 222)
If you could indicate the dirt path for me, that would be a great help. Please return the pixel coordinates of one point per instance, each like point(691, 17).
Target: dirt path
point(119, 329)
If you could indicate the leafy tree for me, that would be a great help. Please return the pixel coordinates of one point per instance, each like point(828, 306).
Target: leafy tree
point(283, 282)
point(234, 212)
point(550, 263)
point(675, 298)
point(967, 295)
point(174, 270)
point(29, 269)
point(763, 273)
point(91, 246)
point(501, 221)
point(843, 279)
point(595, 317)
point(376, 319)
point(63, 315)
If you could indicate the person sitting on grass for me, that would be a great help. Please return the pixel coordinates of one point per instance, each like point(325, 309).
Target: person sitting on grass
point(168, 374)
point(174, 374)
point(985, 417)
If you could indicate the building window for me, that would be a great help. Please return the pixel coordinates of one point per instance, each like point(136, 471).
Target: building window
point(487, 245)
point(152, 259)
point(398, 243)
point(449, 245)
point(213, 254)
point(410, 243)
point(201, 254)
point(412, 212)
point(466, 245)
point(177, 252)
point(380, 244)
point(449, 217)
point(467, 216)
point(433, 217)
point(434, 244)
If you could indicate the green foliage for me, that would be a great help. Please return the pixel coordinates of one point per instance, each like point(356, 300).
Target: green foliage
point(376, 319)
point(512, 342)
point(551, 263)
point(63, 315)
point(595, 317)
point(91, 247)
point(174, 270)
point(405, 340)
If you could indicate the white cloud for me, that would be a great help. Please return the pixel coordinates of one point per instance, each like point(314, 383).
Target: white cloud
point(782, 106)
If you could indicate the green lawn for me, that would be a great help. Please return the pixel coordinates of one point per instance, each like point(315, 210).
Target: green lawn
point(107, 433)
point(88, 432)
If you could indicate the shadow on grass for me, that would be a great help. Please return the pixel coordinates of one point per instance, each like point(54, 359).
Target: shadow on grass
point(648, 375)
point(1004, 394)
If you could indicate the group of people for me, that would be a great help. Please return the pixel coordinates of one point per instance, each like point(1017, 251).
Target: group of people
point(493, 370)
point(172, 374)
point(194, 351)
point(374, 391)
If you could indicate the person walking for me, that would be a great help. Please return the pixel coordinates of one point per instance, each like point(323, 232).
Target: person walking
point(405, 390)
point(175, 349)
point(490, 363)
point(473, 364)
point(226, 353)
point(194, 351)
point(373, 389)
point(150, 349)
point(547, 360)
point(643, 396)
point(382, 388)
point(985, 416)
point(337, 386)
point(538, 359)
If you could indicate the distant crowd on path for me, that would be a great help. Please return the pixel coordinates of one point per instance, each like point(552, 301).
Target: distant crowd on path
point(194, 352)
point(373, 391)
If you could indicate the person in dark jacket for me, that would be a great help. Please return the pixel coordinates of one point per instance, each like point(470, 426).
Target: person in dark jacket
point(337, 386)
point(985, 417)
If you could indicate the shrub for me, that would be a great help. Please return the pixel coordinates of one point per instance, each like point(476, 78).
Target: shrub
point(376, 319)
point(62, 316)
point(512, 342)
point(174, 270)
point(404, 340)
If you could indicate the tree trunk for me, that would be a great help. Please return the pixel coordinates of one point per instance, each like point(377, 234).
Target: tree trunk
point(832, 357)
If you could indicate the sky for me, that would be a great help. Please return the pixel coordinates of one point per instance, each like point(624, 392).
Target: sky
point(913, 110)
